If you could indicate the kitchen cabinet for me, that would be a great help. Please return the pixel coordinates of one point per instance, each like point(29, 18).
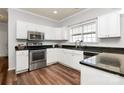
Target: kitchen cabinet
point(67, 57)
point(72, 58)
point(93, 76)
point(61, 33)
point(60, 55)
point(58, 34)
point(65, 33)
point(31, 27)
point(21, 31)
point(109, 25)
point(22, 61)
point(51, 56)
point(51, 33)
point(76, 59)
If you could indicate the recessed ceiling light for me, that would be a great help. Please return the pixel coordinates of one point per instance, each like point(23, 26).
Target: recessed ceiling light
point(55, 12)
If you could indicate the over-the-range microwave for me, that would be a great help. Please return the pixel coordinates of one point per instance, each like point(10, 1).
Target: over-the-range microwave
point(32, 35)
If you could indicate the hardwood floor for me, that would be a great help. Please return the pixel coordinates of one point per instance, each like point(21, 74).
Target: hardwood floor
point(3, 69)
point(55, 74)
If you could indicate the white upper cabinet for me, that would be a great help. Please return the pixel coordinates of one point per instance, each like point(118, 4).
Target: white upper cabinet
point(64, 33)
point(21, 31)
point(31, 27)
point(109, 25)
point(61, 33)
point(51, 33)
point(58, 34)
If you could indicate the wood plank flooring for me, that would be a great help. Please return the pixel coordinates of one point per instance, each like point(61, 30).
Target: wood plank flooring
point(3, 70)
point(55, 74)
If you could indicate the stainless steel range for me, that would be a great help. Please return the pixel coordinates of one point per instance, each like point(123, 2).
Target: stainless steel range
point(37, 54)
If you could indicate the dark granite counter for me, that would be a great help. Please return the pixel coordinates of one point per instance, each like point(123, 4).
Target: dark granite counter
point(99, 49)
point(33, 47)
point(113, 63)
point(83, 48)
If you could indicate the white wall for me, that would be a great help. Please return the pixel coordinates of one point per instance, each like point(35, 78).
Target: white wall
point(92, 13)
point(3, 39)
point(14, 15)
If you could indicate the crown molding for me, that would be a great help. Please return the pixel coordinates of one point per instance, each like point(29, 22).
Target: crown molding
point(85, 10)
point(24, 11)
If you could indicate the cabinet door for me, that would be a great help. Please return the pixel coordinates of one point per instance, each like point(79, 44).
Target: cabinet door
point(21, 60)
point(61, 33)
point(114, 25)
point(59, 55)
point(64, 33)
point(103, 26)
point(67, 58)
point(76, 59)
point(58, 34)
point(109, 25)
point(49, 33)
point(51, 56)
point(31, 27)
point(21, 32)
point(40, 28)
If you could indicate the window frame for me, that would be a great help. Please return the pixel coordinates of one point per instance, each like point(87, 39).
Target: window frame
point(76, 26)
point(82, 34)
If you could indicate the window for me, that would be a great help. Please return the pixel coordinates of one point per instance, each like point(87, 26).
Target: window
point(75, 33)
point(89, 32)
point(85, 32)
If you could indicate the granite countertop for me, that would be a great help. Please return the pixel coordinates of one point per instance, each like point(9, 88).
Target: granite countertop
point(33, 47)
point(109, 62)
point(82, 48)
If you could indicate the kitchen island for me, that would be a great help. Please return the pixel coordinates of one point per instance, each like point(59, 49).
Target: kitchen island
point(105, 68)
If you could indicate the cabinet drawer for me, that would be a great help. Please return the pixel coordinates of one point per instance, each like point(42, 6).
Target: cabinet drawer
point(23, 52)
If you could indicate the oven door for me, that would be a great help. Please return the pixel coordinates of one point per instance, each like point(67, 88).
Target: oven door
point(37, 56)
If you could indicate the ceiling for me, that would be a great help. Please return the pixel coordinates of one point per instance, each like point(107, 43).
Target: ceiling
point(3, 15)
point(48, 12)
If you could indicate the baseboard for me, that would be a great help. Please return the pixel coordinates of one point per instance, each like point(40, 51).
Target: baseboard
point(68, 66)
point(51, 63)
point(22, 71)
point(11, 69)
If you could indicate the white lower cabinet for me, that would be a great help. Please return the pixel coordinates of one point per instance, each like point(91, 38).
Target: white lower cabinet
point(76, 59)
point(67, 57)
point(72, 58)
point(51, 56)
point(22, 61)
point(92, 76)
point(60, 56)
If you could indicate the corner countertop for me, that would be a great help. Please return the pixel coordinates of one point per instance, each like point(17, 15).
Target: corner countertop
point(113, 63)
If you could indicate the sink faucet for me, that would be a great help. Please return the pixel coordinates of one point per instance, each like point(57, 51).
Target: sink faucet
point(78, 42)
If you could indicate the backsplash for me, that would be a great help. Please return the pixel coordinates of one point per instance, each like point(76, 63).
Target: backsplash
point(44, 42)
